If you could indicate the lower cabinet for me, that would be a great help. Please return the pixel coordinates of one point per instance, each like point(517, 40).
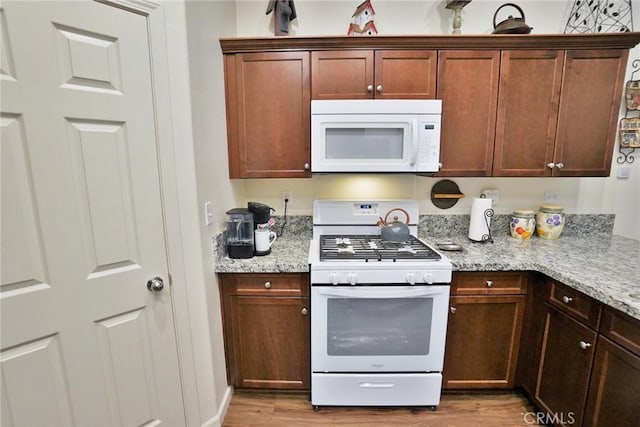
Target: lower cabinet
point(267, 330)
point(483, 333)
point(614, 390)
point(579, 362)
point(563, 378)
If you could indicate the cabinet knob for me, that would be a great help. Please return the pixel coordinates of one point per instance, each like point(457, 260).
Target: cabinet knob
point(306, 166)
point(370, 88)
point(267, 285)
point(489, 283)
point(379, 88)
point(452, 309)
point(566, 299)
point(551, 165)
point(584, 345)
point(304, 311)
point(559, 165)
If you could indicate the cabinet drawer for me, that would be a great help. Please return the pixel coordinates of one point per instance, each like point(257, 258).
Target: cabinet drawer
point(621, 329)
point(487, 282)
point(274, 284)
point(574, 303)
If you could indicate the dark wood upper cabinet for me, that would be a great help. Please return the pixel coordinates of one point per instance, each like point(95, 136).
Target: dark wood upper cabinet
point(513, 105)
point(268, 114)
point(468, 86)
point(527, 112)
point(368, 74)
point(589, 106)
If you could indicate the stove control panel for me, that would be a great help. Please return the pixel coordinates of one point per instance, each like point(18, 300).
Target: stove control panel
point(366, 209)
point(380, 276)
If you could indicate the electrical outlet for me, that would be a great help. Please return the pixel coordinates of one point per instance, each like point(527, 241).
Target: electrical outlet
point(286, 196)
point(552, 196)
point(492, 194)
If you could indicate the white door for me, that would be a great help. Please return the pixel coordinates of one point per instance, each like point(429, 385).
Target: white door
point(83, 341)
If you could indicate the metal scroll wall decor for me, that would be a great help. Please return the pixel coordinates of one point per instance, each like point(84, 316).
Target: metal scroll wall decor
point(630, 124)
point(600, 16)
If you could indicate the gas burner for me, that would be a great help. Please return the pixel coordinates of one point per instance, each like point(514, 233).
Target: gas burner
point(372, 248)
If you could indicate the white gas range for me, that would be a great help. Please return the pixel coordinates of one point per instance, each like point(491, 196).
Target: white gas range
point(378, 309)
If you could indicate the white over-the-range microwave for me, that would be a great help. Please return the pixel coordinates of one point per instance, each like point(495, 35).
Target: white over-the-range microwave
point(380, 135)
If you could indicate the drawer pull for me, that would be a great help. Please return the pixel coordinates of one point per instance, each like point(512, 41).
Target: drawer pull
point(267, 285)
point(584, 345)
point(566, 299)
point(304, 311)
point(452, 309)
point(489, 283)
point(370, 88)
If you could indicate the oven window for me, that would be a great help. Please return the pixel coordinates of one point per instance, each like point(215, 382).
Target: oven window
point(379, 327)
point(364, 143)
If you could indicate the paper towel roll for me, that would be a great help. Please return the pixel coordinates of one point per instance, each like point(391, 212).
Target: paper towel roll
point(480, 223)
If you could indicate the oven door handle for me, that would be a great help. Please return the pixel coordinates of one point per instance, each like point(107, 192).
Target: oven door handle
point(394, 293)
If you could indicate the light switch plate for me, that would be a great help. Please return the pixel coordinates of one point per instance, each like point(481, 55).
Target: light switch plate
point(208, 213)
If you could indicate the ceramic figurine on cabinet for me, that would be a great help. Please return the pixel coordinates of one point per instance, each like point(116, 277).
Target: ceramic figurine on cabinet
point(362, 20)
point(284, 11)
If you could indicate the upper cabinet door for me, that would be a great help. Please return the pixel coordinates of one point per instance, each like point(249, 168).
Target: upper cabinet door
point(342, 74)
point(268, 114)
point(527, 112)
point(589, 107)
point(405, 74)
point(368, 74)
point(468, 87)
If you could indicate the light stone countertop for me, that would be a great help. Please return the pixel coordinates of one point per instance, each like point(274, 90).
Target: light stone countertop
point(603, 266)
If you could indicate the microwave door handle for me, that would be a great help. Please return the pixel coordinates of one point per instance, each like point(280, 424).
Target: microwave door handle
point(395, 293)
point(414, 144)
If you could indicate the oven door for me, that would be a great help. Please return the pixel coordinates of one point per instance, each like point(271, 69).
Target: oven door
point(378, 328)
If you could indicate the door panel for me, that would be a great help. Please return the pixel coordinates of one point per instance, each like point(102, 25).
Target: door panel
point(84, 341)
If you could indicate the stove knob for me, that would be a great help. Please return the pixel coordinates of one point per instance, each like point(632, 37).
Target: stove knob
point(333, 277)
point(353, 279)
point(428, 277)
point(411, 278)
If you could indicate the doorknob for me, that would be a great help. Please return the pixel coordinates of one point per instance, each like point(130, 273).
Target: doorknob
point(156, 284)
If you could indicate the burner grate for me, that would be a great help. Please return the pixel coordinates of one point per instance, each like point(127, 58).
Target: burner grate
point(372, 248)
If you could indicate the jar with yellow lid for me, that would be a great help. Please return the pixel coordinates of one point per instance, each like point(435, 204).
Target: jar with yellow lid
point(523, 224)
point(550, 221)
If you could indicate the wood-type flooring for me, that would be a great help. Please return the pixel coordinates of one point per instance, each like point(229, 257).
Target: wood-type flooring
point(468, 410)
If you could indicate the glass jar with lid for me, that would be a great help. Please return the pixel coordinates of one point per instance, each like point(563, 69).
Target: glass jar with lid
point(523, 224)
point(550, 221)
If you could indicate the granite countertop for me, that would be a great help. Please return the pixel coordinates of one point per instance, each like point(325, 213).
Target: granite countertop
point(601, 265)
point(604, 267)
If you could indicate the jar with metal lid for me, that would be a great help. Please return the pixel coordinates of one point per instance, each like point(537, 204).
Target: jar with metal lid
point(550, 221)
point(523, 224)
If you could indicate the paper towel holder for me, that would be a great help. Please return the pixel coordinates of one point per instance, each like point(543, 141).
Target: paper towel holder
point(488, 213)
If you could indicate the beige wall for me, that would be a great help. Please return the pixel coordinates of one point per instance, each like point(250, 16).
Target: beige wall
point(578, 195)
point(207, 21)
